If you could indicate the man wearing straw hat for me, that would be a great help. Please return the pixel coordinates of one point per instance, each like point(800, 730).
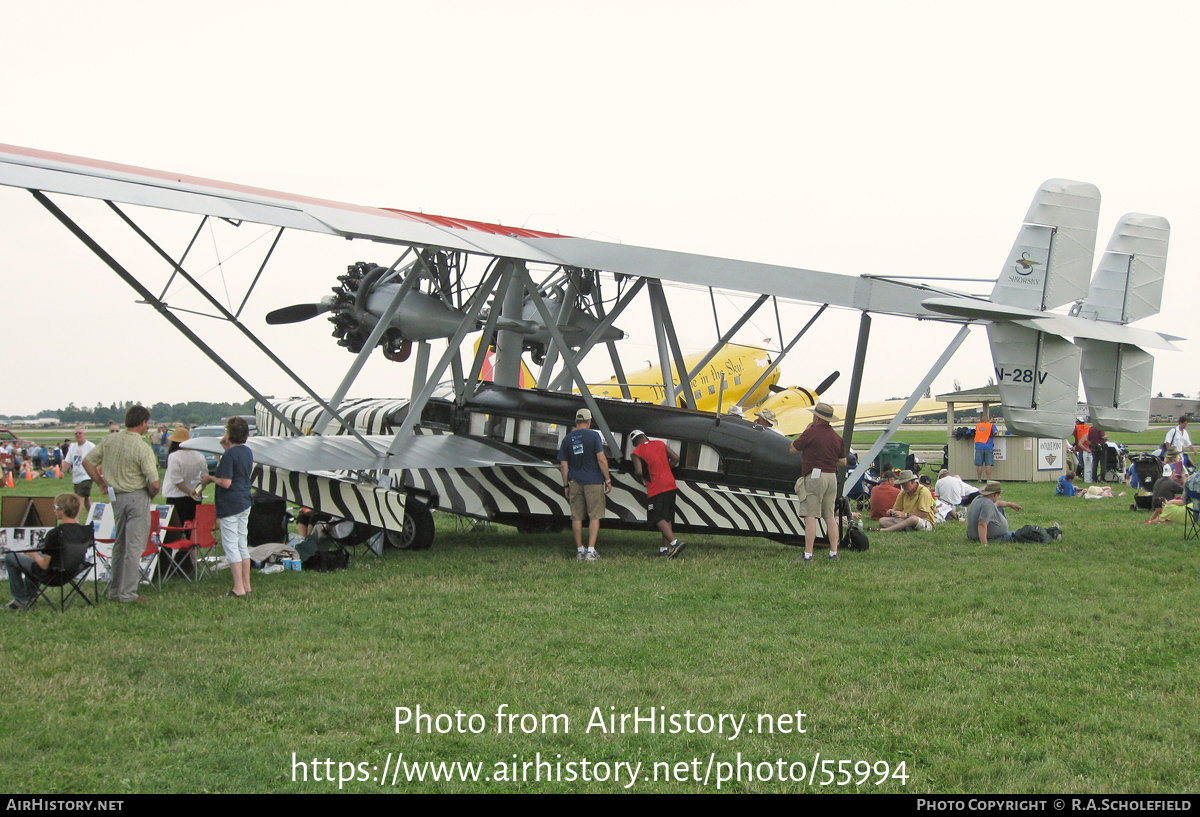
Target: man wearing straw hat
point(767, 419)
point(914, 506)
point(823, 451)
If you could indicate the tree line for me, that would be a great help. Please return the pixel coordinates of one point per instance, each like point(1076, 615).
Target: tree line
point(196, 412)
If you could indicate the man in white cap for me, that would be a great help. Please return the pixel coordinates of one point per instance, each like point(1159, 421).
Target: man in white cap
point(823, 451)
point(652, 464)
point(585, 480)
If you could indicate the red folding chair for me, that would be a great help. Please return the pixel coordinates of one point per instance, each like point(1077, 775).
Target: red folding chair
point(146, 571)
point(198, 542)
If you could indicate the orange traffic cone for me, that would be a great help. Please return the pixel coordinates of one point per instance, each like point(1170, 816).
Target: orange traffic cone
point(8, 483)
point(29, 475)
point(57, 472)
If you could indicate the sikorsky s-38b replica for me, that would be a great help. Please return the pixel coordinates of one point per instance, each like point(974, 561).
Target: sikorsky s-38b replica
point(487, 449)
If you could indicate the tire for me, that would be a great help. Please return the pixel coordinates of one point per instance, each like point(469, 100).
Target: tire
point(418, 529)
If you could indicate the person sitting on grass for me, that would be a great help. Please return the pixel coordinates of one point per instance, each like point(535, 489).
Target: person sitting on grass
point(883, 495)
point(1066, 487)
point(62, 542)
point(1166, 489)
point(914, 506)
point(1173, 510)
point(986, 521)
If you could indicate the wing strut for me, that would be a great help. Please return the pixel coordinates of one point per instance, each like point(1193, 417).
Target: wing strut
point(564, 314)
point(232, 319)
point(611, 346)
point(158, 305)
point(416, 406)
point(569, 361)
point(720, 344)
point(865, 462)
point(782, 354)
point(188, 249)
point(664, 331)
point(471, 383)
point(257, 275)
point(563, 381)
point(860, 360)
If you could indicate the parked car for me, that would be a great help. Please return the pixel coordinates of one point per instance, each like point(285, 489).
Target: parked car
point(210, 431)
point(7, 437)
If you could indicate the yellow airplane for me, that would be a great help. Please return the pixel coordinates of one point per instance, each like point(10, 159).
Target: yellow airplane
point(742, 366)
point(789, 406)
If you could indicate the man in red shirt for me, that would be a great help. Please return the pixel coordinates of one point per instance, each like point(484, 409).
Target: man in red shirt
point(652, 463)
point(883, 495)
point(823, 451)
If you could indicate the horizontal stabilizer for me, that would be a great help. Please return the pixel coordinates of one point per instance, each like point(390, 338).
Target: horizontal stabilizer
point(1051, 260)
point(1128, 282)
point(1116, 380)
point(1038, 377)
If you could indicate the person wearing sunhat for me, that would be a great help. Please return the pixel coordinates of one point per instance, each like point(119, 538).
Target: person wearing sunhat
point(986, 521)
point(767, 419)
point(914, 506)
point(823, 451)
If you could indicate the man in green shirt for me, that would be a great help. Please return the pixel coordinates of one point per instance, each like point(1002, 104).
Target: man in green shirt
point(127, 464)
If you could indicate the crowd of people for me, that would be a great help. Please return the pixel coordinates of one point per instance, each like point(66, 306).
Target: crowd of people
point(124, 466)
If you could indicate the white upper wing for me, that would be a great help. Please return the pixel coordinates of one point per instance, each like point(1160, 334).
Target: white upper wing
point(60, 173)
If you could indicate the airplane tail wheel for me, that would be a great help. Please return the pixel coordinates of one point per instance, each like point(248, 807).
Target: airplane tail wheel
point(418, 529)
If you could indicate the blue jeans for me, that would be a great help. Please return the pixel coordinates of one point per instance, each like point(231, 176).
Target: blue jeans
point(24, 591)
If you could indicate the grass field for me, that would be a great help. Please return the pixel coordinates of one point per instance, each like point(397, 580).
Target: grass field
point(1011, 668)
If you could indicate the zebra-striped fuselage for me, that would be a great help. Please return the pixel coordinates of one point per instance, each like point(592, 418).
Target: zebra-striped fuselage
point(738, 482)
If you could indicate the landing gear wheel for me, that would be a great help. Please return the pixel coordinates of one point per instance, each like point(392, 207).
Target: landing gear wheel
point(418, 528)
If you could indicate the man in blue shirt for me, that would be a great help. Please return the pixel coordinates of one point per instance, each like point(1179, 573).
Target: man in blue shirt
point(585, 481)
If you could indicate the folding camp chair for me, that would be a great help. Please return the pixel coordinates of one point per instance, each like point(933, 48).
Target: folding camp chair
point(69, 569)
point(146, 570)
point(1191, 521)
point(198, 541)
point(67, 572)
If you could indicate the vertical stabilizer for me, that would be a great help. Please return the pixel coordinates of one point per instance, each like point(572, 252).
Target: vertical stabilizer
point(1038, 377)
point(1048, 266)
point(1127, 287)
point(1116, 380)
point(1051, 259)
point(1128, 282)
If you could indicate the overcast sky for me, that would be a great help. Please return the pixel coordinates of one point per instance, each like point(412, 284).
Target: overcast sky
point(855, 138)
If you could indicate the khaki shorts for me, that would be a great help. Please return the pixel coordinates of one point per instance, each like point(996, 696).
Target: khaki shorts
point(817, 496)
point(587, 501)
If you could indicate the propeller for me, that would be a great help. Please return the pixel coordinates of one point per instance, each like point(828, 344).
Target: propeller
point(827, 382)
point(296, 313)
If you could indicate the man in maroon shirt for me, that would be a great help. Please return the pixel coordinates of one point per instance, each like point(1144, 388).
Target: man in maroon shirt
point(660, 487)
point(823, 452)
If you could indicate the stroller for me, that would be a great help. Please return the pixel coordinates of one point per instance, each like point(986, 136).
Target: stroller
point(1148, 469)
point(860, 494)
point(1110, 463)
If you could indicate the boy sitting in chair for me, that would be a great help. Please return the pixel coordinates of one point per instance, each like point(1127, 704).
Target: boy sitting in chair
point(66, 544)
